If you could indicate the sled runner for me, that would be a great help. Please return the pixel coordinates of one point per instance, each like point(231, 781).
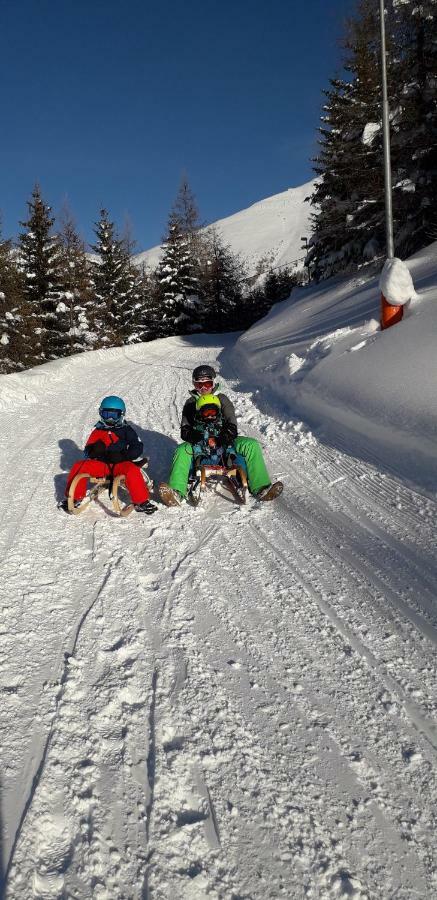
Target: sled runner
point(122, 507)
point(213, 469)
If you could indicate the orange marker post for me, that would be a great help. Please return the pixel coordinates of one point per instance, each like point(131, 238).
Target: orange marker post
point(390, 314)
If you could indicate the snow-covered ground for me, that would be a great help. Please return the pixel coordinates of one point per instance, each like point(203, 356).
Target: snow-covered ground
point(270, 232)
point(229, 702)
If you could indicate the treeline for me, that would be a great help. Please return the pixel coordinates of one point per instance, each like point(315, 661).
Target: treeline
point(349, 224)
point(56, 300)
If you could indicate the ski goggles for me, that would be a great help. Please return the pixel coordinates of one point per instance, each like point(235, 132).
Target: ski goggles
point(209, 412)
point(206, 383)
point(111, 415)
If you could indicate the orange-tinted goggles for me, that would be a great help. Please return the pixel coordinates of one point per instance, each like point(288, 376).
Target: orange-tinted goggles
point(209, 412)
point(208, 384)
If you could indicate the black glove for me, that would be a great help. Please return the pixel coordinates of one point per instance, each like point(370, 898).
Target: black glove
point(227, 435)
point(189, 434)
point(96, 451)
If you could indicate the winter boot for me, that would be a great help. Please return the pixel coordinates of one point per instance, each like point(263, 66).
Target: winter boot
point(169, 496)
point(270, 491)
point(147, 507)
point(63, 504)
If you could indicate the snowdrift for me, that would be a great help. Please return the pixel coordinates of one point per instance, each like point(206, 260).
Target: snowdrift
point(322, 356)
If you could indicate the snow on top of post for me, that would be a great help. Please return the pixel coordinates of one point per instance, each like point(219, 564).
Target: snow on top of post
point(396, 283)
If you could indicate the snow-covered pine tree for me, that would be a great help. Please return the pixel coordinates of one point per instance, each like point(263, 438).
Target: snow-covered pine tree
point(77, 289)
point(136, 298)
point(12, 321)
point(112, 284)
point(178, 281)
point(414, 137)
point(222, 278)
point(40, 261)
point(349, 196)
point(147, 313)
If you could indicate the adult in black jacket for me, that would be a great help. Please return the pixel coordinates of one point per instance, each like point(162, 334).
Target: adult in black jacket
point(247, 448)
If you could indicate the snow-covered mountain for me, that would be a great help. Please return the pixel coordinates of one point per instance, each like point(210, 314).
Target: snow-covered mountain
point(229, 701)
point(271, 231)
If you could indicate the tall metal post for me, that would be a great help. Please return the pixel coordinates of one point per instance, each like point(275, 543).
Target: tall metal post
point(386, 139)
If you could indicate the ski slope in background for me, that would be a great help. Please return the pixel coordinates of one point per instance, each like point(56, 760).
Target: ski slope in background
point(219, 702)
point(271, 231)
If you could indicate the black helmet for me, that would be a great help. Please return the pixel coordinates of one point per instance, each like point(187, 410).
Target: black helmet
point(203, 372)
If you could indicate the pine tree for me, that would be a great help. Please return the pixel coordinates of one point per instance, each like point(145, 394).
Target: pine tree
point(178, 281)
point(349, 223)
point(221, 285)
point(414, 141)
point(146, 321)
point(40, 256)
point(112, 284)
point(12, 319)
point(77, 290)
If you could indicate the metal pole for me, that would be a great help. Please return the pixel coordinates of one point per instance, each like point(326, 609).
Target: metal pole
point(386, 139)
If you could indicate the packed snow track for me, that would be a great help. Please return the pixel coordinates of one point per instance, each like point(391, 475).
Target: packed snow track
point(224, 702)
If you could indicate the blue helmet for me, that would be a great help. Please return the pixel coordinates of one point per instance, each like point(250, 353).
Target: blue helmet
point(112, 410)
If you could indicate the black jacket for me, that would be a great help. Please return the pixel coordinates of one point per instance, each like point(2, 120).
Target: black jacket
point(229, 429)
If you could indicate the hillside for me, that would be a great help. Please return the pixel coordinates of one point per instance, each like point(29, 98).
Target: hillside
point(270, 230)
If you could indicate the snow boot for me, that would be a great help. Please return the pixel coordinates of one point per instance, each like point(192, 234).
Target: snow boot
point(63, 504)
point(147, 507)
point(169, 496)
point(270, 491)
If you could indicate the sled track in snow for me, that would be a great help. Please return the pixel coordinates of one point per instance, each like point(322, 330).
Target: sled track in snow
point(45, 750)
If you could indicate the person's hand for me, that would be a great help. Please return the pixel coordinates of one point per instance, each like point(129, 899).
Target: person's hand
point(96, 450)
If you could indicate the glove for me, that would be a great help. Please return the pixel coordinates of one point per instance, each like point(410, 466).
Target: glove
point(227, 435)
point(96, 451)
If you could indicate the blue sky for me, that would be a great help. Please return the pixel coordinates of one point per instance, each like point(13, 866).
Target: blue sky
point(109, 103)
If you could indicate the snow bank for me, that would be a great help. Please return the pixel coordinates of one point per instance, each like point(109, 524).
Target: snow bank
point(321, 356)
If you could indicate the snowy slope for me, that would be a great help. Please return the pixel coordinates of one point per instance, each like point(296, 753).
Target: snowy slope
point(218, 702)
point(323, 355)
point(270, 230)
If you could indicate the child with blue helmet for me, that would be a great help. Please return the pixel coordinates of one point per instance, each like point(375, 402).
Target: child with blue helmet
point(109, 451)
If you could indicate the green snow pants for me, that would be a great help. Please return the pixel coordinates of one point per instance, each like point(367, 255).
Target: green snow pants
point(249, 448)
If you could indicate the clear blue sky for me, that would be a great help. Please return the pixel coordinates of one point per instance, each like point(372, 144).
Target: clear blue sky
point(109, 102)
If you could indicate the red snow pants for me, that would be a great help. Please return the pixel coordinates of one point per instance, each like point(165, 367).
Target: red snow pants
point(135, 483)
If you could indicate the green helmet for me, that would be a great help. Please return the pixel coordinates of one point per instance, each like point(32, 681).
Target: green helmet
point(208, 408)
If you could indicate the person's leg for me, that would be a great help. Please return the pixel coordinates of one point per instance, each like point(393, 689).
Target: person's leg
point(180, 468)
point(257, 474)
point(90, 467)
point(135, 483)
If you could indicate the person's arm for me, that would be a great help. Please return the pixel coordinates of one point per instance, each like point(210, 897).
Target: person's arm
point(135, 446)
point(229, 430)
point(188, 432)
point(124, 446)
point(95, 447)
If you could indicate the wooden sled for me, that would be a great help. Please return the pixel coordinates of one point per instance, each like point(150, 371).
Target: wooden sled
point(98, 485)
point(234, 478)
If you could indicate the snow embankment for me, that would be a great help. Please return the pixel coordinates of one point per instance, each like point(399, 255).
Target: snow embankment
point(322, 355)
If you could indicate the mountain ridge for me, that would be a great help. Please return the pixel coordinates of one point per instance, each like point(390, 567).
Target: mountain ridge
point(271, 229)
